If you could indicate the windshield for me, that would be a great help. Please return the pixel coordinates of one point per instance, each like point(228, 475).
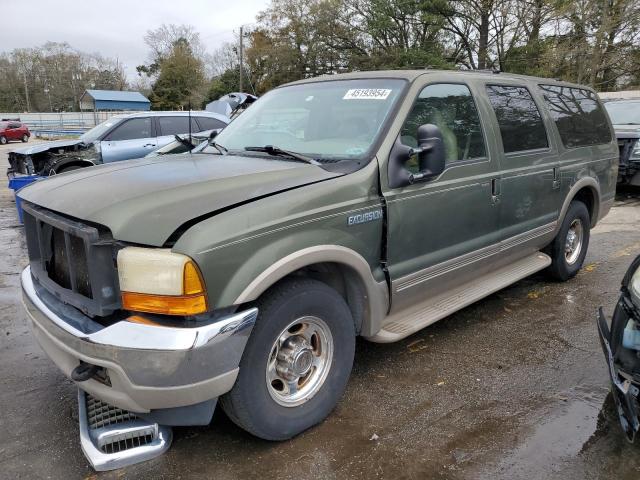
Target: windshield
point(624, 113)
point(324, 120)
point(97, 131)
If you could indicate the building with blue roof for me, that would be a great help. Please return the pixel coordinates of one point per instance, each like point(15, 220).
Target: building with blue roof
point(113, 100)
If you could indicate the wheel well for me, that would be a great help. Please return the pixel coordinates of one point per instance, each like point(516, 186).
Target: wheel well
point(345, 281)
point(79, 163)
point(587, 196)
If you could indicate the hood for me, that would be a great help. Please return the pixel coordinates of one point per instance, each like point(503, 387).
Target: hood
point(145, 200)
point(43, 147)
point(627, 131)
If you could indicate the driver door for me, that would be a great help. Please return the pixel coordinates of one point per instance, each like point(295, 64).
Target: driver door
point(442, 231)
point(133, 138)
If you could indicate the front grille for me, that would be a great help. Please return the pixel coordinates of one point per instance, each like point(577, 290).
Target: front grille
point(102, 415)
point(72, 260)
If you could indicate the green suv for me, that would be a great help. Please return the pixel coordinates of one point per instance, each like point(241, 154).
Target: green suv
point(367, 204)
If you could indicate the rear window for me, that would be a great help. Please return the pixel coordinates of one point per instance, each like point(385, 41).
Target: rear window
point(519, 119)
point(208, 123)
point(580, 118)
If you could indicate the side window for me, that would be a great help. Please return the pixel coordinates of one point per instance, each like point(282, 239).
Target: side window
point(174, 125)
point(580, 118)
point(451, 108)
point(519, 119)
point(208, 123)
point(131, 129)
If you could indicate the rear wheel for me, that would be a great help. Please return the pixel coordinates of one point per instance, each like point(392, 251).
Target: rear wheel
point(25, 138)
point(3, 140)
point(569, 248)
point(296, 363)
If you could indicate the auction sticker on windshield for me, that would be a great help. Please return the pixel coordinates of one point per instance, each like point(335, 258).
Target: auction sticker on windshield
point(367, 94)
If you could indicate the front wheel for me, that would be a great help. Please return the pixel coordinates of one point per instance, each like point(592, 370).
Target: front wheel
point(569, 248)
point(25, 138)
point(296, 363)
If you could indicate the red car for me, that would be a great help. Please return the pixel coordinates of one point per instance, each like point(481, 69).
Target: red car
point(12, 130)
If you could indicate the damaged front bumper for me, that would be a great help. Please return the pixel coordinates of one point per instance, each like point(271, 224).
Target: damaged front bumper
point(624, 389)
point(172, 375)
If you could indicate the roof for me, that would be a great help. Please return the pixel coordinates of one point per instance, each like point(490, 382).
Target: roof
point(411, 75)
point(178, 113)
point(116, 96)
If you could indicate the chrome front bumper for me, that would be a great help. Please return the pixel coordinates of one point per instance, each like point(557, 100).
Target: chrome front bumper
point(149, 367)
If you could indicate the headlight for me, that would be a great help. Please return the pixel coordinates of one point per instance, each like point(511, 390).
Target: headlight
point(156, 280)
point(634, 288)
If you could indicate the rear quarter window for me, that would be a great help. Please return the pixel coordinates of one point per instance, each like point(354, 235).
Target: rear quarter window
point(577, 113)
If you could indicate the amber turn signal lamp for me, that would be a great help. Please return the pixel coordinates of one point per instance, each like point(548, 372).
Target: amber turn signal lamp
point(164, 304)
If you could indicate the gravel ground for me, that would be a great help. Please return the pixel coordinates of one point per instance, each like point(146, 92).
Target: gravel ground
point(511, 387)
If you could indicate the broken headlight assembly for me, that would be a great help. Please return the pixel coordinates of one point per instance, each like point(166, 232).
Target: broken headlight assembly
point(621, 346)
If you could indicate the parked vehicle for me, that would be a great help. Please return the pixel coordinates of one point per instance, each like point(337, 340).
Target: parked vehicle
point(122, 137)
point(369, 204)
point(185, 143)
point(625, 116)
point(13, 130)
point(621, 346)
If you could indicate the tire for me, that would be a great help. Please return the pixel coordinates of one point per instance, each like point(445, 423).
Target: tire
point(565, 264)
point(266, 408)
point(25, 138)
point(69, 168)
point(3, 140)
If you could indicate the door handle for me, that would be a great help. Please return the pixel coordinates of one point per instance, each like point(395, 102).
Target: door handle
point(149, 145)
point(495, 191)
point(556, 178)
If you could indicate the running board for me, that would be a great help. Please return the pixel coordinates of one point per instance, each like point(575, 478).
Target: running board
point(402, 324)
point(114, 438)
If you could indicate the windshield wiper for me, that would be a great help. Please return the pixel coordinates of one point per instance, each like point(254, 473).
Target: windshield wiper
point(276, 151)
point(221, 148)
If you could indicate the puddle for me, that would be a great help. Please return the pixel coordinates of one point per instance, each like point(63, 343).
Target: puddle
point(560, 436)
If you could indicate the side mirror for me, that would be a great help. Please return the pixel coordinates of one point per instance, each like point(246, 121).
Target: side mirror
point(430, 153)
point(214, 134)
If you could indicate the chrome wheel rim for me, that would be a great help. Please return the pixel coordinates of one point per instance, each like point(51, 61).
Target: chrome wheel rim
point(573, 242)
point(299, 361)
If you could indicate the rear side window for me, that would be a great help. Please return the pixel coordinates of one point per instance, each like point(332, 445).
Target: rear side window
point(519, 119)
point(208, 123)
point(177, 125)
point(131, 129)
point(580, 118)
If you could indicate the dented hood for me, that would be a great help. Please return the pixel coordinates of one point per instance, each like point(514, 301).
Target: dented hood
point(145, 200)
point(43, 147)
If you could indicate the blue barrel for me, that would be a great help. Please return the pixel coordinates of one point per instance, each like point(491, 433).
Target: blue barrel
point(16, 183)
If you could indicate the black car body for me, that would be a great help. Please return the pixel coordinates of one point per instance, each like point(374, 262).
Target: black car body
point(621, 345)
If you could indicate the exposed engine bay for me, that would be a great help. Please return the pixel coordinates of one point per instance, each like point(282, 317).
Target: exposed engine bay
point(53, 157)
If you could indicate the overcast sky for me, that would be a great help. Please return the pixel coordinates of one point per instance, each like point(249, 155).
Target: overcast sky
point(115, 28)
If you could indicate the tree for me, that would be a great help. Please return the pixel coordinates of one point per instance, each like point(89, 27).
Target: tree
point(180, 79)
